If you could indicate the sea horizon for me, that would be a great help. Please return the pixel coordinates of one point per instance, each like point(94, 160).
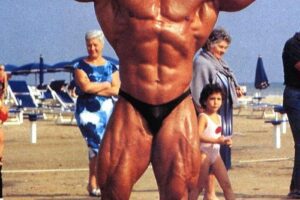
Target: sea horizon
point(274, 89)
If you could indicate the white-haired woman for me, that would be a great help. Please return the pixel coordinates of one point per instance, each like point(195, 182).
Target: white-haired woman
point(97, 81)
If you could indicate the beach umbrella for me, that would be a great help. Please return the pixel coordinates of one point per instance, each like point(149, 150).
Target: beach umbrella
point(261, 79)
point(29, 68)
point(64, 66)
point(26, 69)
point(41, 72)
point(10, 67)
point(113, 60)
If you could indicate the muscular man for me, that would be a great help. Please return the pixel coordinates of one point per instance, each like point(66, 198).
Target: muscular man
point(154, 119)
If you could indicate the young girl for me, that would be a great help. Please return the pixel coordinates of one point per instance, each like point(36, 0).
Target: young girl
point(209, 127)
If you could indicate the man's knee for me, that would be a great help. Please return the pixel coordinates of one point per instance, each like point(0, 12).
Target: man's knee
point(115, 188)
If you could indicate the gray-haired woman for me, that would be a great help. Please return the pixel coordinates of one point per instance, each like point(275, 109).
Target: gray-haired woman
point(97, 81)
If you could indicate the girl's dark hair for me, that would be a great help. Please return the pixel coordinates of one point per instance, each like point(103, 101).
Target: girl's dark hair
point(208, 90)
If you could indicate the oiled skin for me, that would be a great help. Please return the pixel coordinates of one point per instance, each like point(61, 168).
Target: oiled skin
point(155, 41)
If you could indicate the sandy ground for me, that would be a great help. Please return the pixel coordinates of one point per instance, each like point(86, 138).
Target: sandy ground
point(56, 166)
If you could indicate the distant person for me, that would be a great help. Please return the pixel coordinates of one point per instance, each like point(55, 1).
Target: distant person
point(209, 67)
point(3, 82)
point(97, 81)
point(209, 129)
point(72, 89)
point(153, 121)
point(3, 118)
point(291, 103)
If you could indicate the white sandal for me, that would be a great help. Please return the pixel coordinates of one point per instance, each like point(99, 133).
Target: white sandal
point(95, 192)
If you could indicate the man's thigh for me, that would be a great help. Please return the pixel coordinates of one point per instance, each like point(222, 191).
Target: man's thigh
point(125, 151)
point(176, 149)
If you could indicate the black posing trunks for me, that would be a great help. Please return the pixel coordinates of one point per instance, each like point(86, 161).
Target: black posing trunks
point(154, 114)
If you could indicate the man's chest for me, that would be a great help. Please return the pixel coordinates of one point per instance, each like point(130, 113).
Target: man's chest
point(170, 9)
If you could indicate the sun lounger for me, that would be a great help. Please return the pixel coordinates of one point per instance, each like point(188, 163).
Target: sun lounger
point(59, 92)
point(279, 124)
point(21, 101)
point(22, 98)
point(65, 112)
point(266, 110)
point(21, 95)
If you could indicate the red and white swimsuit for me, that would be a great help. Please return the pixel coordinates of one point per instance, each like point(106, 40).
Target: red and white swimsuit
point(213, 131)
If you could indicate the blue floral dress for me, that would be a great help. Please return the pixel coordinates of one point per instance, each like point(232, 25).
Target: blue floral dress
point(92, 112)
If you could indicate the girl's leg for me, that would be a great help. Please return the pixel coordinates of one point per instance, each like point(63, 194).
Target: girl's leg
point(210, 192)
point(204, 172)
point(220, 172)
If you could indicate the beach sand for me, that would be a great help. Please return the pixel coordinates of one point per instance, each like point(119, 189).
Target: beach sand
point(56, 166)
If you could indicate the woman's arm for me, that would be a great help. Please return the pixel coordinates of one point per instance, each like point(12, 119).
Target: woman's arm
point(115, 86)
point(84, 83)
point(297, 65)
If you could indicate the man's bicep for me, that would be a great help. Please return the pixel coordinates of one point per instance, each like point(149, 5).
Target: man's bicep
point(233, 5)
point(85, 0)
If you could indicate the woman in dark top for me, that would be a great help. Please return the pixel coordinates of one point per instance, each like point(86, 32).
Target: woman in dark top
point(291, 103)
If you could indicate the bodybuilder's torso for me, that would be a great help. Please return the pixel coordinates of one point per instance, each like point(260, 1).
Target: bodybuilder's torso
point(155, 41)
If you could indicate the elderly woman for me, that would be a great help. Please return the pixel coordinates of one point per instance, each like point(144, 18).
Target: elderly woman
point(97, 81)
point(209, 67)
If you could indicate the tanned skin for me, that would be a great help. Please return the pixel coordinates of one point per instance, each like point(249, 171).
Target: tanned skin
point(155, 41)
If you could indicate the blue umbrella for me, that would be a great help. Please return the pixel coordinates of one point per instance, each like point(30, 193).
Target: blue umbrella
point(29, 68)
point(261, 79)
point(26, 69)
point(113, 60)
point(65, 66)
point(41, 72)
point(9, 67)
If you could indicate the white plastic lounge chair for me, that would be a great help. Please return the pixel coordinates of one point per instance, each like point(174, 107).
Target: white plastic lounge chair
point(65, 113)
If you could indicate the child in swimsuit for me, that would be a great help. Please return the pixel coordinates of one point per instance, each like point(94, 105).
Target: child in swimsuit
point(209, 128)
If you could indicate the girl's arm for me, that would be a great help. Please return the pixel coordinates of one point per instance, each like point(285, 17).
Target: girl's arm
point(84, 83)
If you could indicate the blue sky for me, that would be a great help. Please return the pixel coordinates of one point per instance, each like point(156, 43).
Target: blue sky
point(56, 28)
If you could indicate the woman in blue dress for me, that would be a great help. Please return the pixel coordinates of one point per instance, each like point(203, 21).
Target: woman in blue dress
point(97, 82)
